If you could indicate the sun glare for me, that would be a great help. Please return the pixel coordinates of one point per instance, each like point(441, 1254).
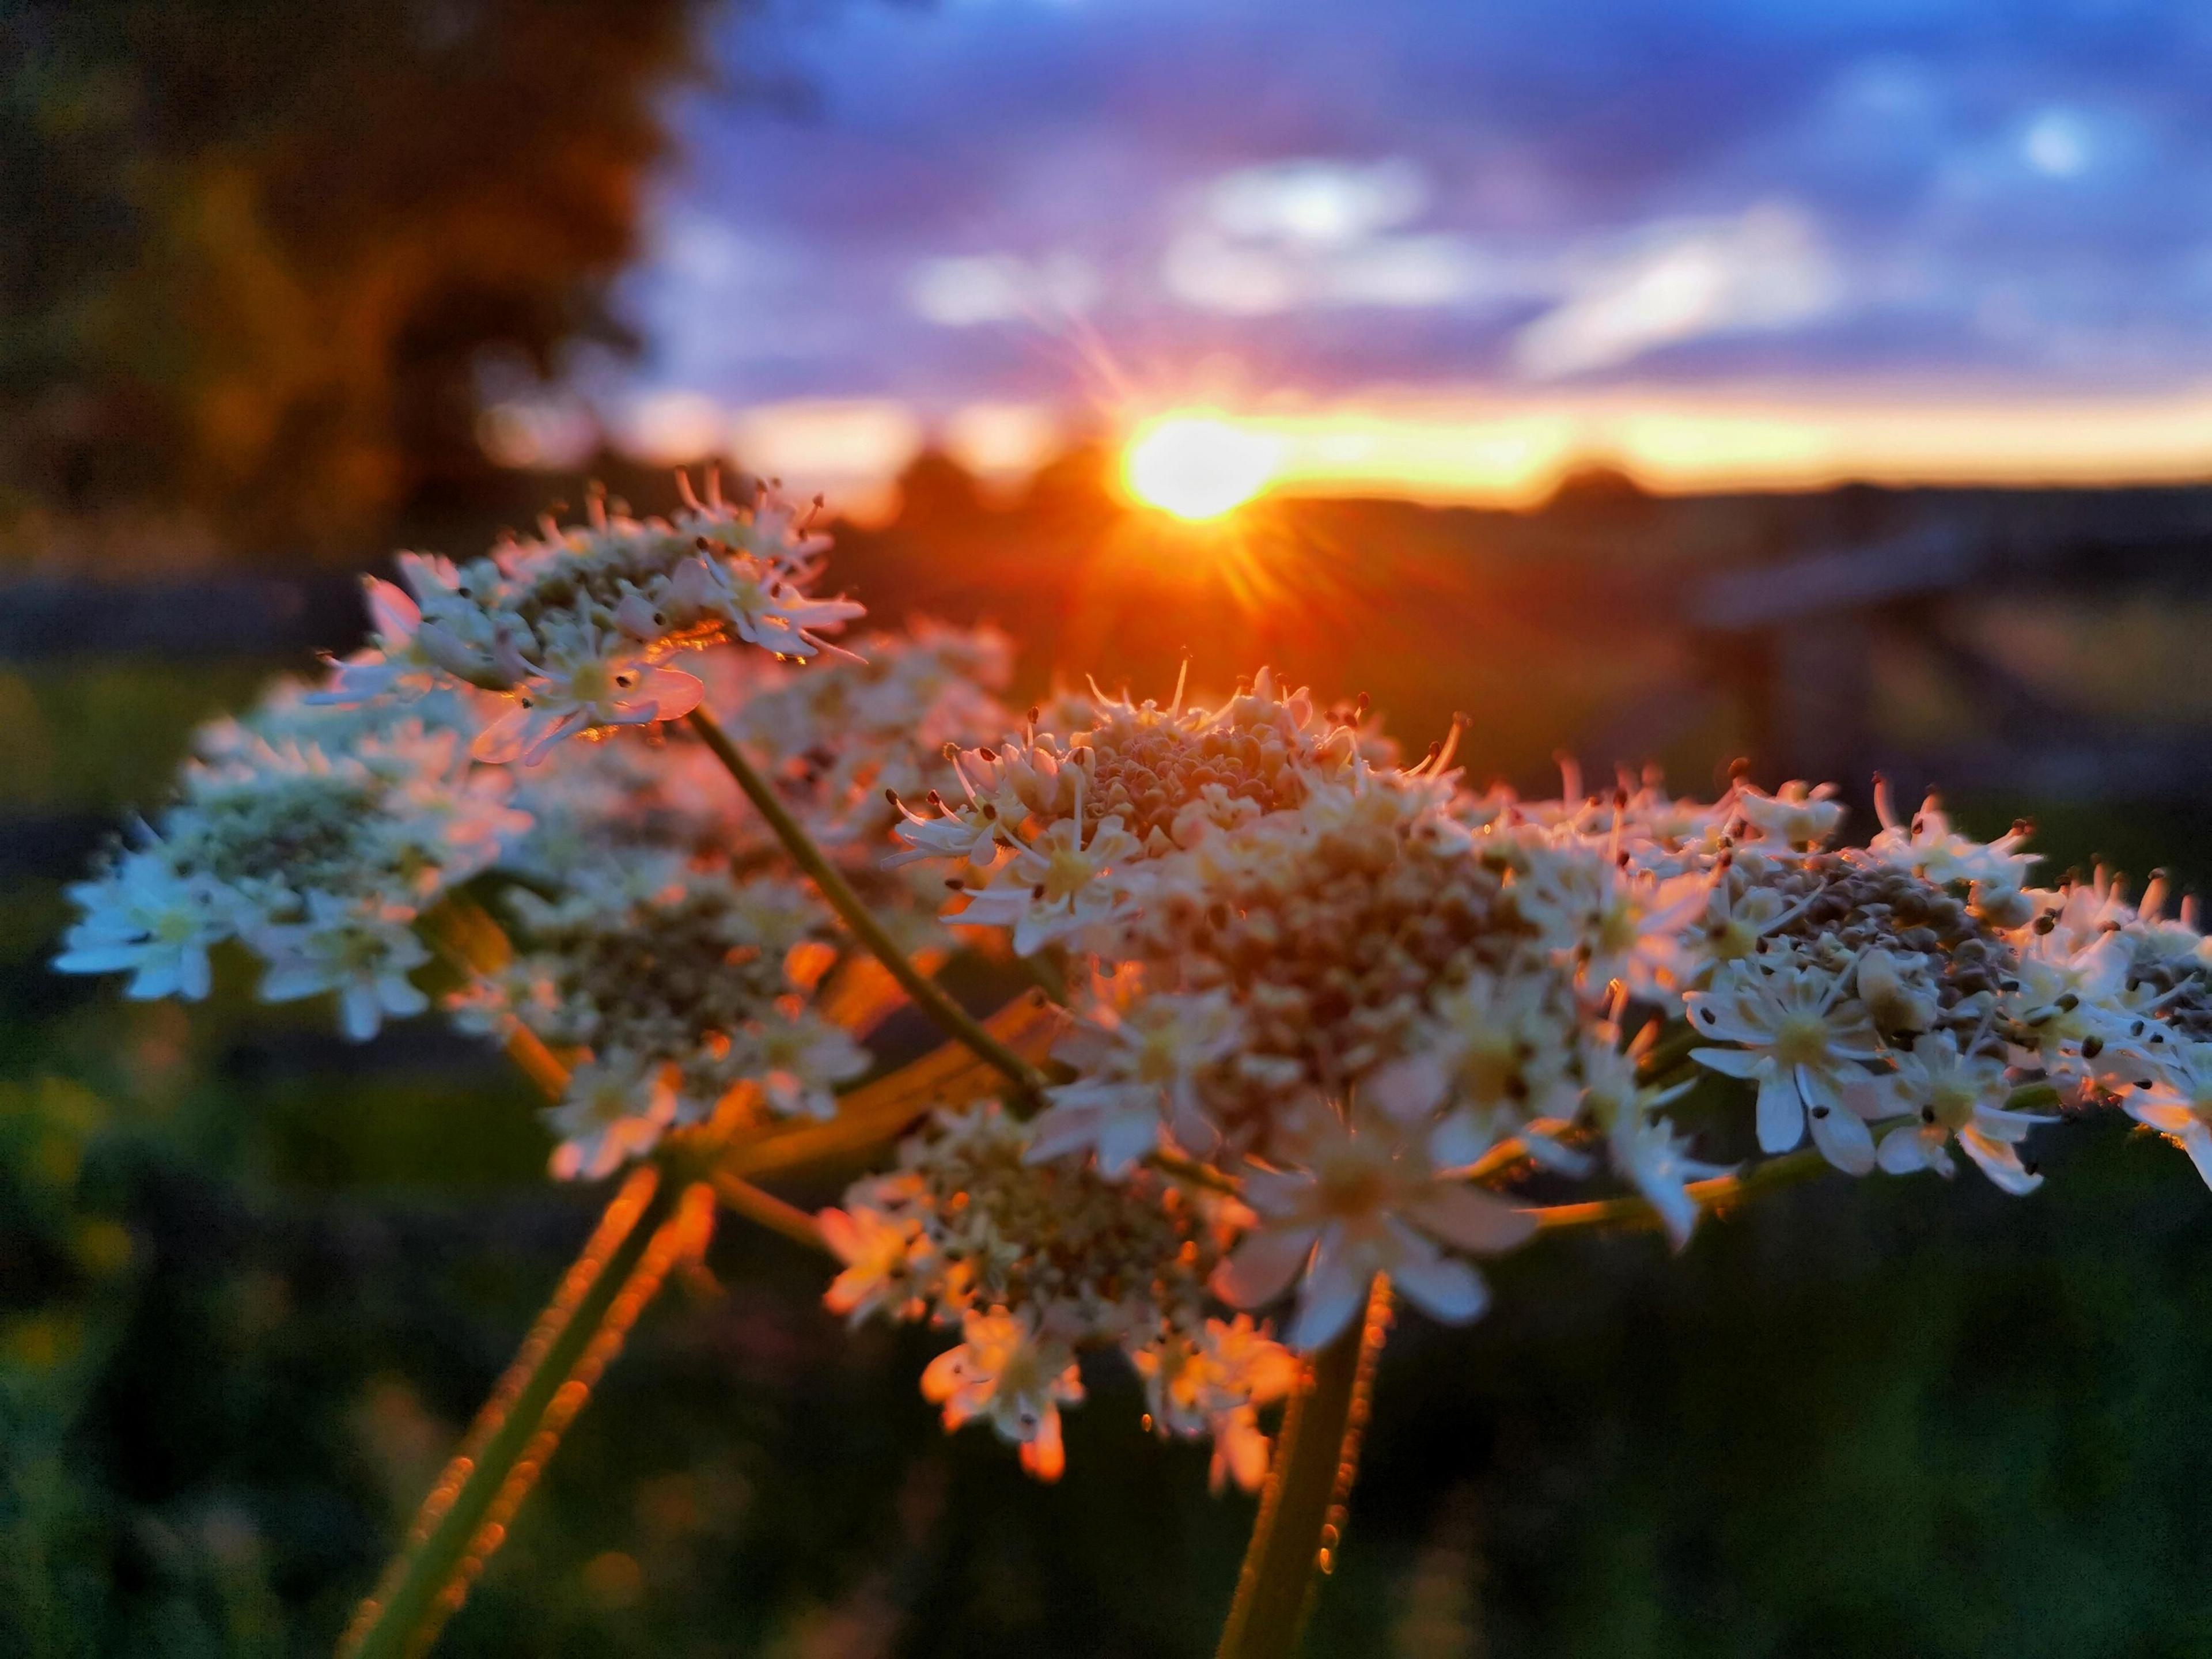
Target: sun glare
point(1196, 466)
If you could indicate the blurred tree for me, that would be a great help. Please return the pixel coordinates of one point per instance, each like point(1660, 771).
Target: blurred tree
point(253, 253)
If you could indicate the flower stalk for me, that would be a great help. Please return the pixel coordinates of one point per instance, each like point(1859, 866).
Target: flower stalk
point(954, 1020)
point(651, 1223)
point(1300, 1525)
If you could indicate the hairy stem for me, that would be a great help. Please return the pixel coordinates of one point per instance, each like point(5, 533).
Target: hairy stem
point(1722, 1191)
point(649, 1223)
point(1302, 1509)
point(1719, 1191)
point(954, 1020)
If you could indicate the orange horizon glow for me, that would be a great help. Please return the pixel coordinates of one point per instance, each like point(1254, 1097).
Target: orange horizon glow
point(1500, 453)
point(1481, 447)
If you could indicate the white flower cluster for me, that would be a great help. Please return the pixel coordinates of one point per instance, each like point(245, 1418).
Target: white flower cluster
point(575, 626)
point(1031, 1258)
point(1358, 990)
point(679, 983)
point(1330, 1016)
point(663, 953)
point(317, 848)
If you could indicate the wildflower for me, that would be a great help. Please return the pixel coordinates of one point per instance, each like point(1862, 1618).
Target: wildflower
point(1192, 1377)
point(1015, 1377)
point(2064, 998)
point(1360, 1200)
point(1640, 1142)
point(978, 841)
point(1493, 1058)
point(802, 1057)
point(1135, 1070)
point(1736, 920)
point(1056, 884)
point(395, 663)
point(145, 919)
point(614, 1109)
point(1956, 1097)
point(1610, 924)
point(363, 950)
point(584, 686)
point(1209, 1382)
point(2175, 1099)
point(1801, 1042)
point(1795, 816)
point(1928, 847)
point(883, 1256)
point(1898, 1001)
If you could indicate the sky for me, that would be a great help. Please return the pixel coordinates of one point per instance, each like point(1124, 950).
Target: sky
point(1447, 247)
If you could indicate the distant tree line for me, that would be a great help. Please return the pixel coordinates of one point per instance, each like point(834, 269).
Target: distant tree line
point(252, 252)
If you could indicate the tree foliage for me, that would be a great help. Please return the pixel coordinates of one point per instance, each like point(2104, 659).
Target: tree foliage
point(252, 252)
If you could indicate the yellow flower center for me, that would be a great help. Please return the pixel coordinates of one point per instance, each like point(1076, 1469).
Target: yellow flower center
point(1351, 1187)
point(1801, 1040)
point(590, 682)
point(1952, 1103)
point(1067, 873)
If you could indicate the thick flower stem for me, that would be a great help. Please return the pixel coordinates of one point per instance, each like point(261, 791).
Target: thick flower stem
point(954, 1020)
point(649, 1223)
point(1300, 1519)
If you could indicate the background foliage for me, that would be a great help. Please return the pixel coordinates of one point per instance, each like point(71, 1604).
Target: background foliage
point(253, 252)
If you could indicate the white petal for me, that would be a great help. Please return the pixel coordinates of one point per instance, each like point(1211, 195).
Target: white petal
point(1444, 1287)
point(1731, 1062)
point(1261, 1267)
point(506, 738)
point(1843, 1140)
point(1781, 1114)
point(674, 694)
point(1407, 1089)
point(2002, 1165)
point(2196, 1141)
point(1123, 1139)
point(1470, 1218)
point(1333, 1293)
point(360, 1012)
point(1902, 1152)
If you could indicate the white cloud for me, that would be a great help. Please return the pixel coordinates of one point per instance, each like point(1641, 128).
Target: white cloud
point(2057, 143)
point(963, 291)
point(1316, 234)
point(1321, 204)
point(1766, 269)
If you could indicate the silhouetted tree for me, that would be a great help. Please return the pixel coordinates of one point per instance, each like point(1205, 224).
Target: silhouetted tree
point(252, 250)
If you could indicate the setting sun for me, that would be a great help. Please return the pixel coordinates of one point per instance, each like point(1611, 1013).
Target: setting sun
point(1196, 466)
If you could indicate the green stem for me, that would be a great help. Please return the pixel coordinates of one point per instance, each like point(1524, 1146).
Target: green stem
point(464, 1517)
point(1631, 1210)
point(1301, 1517)
point(954, 1020)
